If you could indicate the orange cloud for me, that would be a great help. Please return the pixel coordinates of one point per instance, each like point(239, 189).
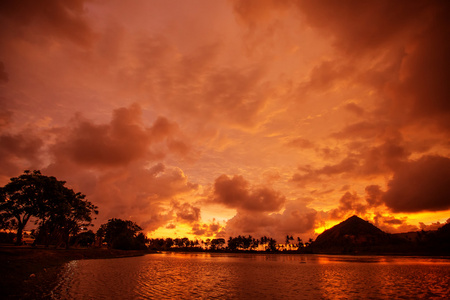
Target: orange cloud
point(208, 230)
point(186, 212)
point(121, 142)
point(349, 204)
point(296, 219)
point(236, 193)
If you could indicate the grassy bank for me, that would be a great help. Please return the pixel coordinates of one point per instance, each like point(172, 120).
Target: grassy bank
point(31, 273)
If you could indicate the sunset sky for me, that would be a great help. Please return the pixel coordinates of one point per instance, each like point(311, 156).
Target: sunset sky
point(205, 118)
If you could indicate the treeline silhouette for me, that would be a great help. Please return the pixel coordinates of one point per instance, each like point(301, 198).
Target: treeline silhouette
point(62, 218)
point(239, 243)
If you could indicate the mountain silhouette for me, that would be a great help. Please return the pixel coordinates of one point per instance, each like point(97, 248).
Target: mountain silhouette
point(444, 232)
point(357, 236)
point(350, 236)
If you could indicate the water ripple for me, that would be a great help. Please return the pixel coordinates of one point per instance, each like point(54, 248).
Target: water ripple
point(206, 276)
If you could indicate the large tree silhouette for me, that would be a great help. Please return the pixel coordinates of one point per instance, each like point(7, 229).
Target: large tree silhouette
point(121, 234)
point(69, 212)
point(58, 209)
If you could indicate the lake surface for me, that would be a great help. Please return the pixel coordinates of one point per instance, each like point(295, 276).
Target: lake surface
point(255, 276)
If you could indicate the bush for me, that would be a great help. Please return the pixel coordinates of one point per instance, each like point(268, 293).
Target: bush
point(7, 237)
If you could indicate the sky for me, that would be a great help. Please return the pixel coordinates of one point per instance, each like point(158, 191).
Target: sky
point(211, 119)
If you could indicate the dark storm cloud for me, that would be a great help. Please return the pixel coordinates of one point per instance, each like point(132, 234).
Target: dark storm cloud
point(420, 185)
point(35, 20)
point(408, 40)
point(419, 29)
point(237, 193)
point(363, 161)
point(423, 87)
point(361, 26)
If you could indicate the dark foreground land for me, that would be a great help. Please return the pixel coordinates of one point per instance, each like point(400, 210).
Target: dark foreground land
point(31, 273)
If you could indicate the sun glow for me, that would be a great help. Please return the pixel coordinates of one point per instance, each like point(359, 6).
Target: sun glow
point(326, 225)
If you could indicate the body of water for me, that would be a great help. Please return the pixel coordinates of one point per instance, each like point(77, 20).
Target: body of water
point(255, 276)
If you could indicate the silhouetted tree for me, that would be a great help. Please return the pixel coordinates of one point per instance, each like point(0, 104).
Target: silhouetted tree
point(272, 245)
point(244, 243)
point(185, 242)
point(288, 241)
point(158, 244)
point(178, 242)
point(68, 214)
point(254, 245)
point(217, 244)
point(308, 243)
point(168, 243)
point(232, 243)
point(121, 234)
point(264, 241)
point(55, 206)
point(84, 239)
point(142, 239)
point(6, 223)
point(22, 198)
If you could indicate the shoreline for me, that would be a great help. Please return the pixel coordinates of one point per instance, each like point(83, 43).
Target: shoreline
point(32, 273)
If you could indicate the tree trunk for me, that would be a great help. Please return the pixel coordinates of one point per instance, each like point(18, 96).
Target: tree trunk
point(67, 238)
point(20, 227)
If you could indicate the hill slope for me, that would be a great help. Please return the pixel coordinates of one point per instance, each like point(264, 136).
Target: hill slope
point(356, 236)
point(350, 236)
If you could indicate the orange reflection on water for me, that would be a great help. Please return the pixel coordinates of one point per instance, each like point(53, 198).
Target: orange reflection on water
point(250, 276)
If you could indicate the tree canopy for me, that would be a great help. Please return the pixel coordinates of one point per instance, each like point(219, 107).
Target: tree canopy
point(122, 234)
point(58, 210)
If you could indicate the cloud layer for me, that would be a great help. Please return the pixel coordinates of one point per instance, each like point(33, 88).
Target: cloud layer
point(235, 117)
point(421, 185)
